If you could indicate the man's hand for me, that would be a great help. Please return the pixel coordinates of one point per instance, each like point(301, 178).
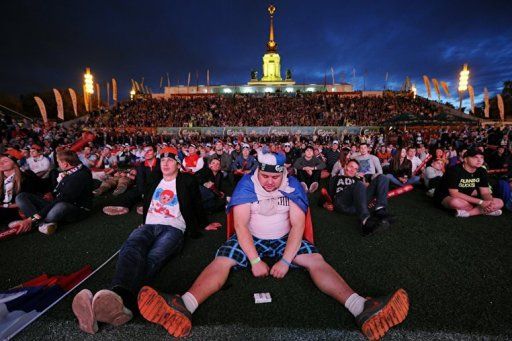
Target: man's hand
point(24, 226)
point(213, 226)
point(279, 270)
point(260, 269)
point(487, 206)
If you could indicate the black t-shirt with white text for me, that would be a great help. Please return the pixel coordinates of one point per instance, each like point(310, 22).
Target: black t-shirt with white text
point(341, 182)
point(458, 178)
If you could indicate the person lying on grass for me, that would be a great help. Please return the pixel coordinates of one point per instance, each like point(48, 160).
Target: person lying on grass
point(465, 188)
point(172, 210)
point(269, 211)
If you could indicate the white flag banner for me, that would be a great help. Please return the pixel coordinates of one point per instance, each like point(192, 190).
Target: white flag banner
point(501, 107)
point(471, 92)
point(114, 90)
point(72, 94)
point(486, 101)
point(42, 109)
point(60, 105)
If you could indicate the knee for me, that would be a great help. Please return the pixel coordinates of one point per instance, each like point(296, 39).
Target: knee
point(22, 197)
point(56, 213)
point(312, 261)
point(381, 178)
point(498, 203)
point(222, 263)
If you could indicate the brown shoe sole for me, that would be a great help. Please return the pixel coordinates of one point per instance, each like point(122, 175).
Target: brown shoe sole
point(392, 314)
point(82, 308)
point(154, 308)
point(109, 308)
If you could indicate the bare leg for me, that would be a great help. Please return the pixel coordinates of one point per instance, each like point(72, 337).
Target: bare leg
point(460, 204)
point(325, 277)
point(212, 278)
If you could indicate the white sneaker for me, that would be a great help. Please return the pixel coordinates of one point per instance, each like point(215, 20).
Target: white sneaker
point(303, 184)
point(462, 214)
point(48, 228)
point(430, 192)
point(496, 213)
point(314, 187)
point(13, 224)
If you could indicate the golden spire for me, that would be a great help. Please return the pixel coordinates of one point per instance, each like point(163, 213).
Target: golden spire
point(271, 45)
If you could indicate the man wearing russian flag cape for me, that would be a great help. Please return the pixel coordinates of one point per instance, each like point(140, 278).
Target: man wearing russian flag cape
point(269, 210)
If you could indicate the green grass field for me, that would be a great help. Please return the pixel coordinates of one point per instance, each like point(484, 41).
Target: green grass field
point(458, 273)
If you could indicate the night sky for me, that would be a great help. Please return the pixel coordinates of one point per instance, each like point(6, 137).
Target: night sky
point(48, 44)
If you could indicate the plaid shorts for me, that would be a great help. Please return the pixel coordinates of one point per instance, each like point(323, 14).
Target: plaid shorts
point(266, 248)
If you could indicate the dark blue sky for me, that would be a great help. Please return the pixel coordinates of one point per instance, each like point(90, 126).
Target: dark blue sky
point(48, 44)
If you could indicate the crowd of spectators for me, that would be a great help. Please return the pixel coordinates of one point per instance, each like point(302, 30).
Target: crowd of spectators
point(270, 110)
point(112, 158)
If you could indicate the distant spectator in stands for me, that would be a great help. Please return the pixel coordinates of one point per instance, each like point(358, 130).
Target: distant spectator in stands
point(308, 170)
point(193, 162)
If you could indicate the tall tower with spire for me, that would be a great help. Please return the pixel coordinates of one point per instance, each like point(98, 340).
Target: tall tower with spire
point(271, 59)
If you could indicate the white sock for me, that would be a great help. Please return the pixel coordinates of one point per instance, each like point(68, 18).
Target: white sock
point(355, 304)
point(190, 302)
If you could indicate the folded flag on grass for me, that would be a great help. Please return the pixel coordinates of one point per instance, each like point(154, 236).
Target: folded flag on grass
point(25, 303)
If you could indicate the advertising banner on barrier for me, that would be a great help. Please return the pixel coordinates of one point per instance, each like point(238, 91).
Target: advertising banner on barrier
point(235, 131)
point(212, 131)
point(189, 132)
point(257, 131)
point(262, 131)
point(168, 130)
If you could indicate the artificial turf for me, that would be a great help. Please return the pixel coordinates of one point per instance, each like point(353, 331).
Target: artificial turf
point(458, 273)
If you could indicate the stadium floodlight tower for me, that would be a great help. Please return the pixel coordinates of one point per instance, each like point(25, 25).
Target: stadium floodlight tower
point(414, 91)
point(88, 88)
point(463, 83)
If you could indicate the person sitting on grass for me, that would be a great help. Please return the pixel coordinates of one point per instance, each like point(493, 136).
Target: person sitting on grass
point(269, 212)
point(308, 169)
point(349, 194)
point(147, 173)
point(244, 163)
point(12, 182)
point(400, 169)
point(369, 165)
point(211, 186)
point(172, 211)
point(71, 198)
point(465, 188)
point(193, 162)
point(120, 181)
